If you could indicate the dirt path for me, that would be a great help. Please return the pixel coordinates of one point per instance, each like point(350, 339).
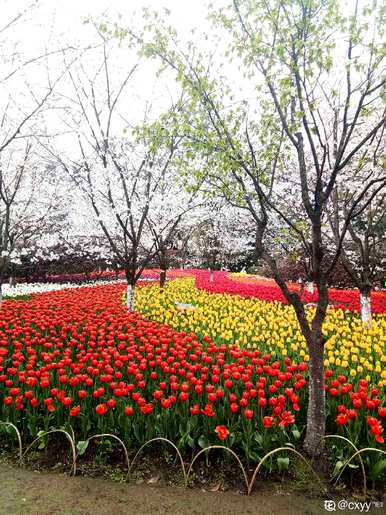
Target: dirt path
point(27, 492)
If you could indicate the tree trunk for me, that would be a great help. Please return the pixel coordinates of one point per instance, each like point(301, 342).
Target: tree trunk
point(12, 281)
point(365, 299)
point(316, 418)
point(130, 297)
point(162, 278)
point(3, 270)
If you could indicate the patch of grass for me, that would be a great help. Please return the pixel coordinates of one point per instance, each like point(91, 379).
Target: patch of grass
point(300, 479)
point(117, 475)
point(17, 297)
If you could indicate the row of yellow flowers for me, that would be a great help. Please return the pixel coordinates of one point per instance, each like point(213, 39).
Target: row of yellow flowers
point(272, 327)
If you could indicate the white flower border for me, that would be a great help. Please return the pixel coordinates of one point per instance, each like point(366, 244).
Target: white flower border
point(28, 288)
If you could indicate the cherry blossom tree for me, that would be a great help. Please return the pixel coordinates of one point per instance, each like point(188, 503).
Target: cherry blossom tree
point(66, 245)
point(27, 198)
point(363, 252)
point(171, 207)
point(27, 86)
point(173, 213)
point(223, 236)
point(125, 171)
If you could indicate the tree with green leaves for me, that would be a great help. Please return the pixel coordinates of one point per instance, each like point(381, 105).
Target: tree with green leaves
point(311, 77)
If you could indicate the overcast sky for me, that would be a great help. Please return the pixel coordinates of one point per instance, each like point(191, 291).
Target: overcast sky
point(64, 18)
point(55, 24)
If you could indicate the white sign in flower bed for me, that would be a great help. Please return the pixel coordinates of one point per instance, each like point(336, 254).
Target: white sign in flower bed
point(184, 307)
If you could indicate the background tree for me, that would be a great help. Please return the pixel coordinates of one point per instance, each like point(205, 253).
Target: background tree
point(27, 197)
point(173, 205)
point(223, 238)
point(27, 86)
point(363, 253)
point(122, 168)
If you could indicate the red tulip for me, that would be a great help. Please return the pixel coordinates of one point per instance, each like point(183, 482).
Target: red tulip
point(101, 409)
point(74, 411)
point(268, 422)
point(222, 432)
point(248, 414)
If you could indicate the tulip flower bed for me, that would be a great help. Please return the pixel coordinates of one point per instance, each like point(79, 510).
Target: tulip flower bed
point(351, 348)
point(150, 274)
point(76, 356)
point(231, 371)
point(355, 355)
point(263, 289)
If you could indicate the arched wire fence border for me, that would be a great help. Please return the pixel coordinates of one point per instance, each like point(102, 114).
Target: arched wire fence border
point(358, 453)
point(69, 438)
point(271, 453)
point(108, 435)
point(359, 457)
point(218, 447)
point(161, 439)
point(186, 472)
point(9, 424)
